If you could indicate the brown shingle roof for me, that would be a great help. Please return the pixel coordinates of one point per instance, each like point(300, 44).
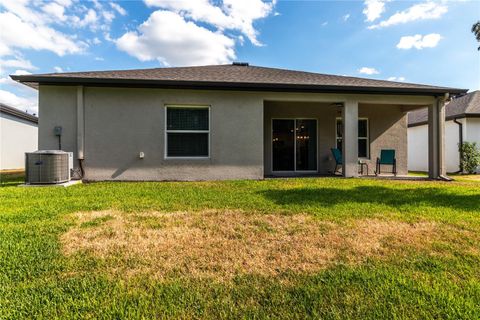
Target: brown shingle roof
point(233, 77)
point(464, 106)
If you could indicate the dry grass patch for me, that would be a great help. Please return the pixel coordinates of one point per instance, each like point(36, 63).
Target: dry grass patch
point(221, 244)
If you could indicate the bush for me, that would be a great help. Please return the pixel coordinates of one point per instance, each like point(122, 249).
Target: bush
point(470, 156)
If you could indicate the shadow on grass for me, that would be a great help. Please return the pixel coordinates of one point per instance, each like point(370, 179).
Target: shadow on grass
point(11, 179)
point(329, 197)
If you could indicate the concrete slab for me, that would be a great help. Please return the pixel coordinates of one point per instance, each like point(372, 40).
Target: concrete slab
point(64, 184)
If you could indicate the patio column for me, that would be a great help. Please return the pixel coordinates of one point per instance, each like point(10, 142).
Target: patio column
point(436, 139)
point(350, 138)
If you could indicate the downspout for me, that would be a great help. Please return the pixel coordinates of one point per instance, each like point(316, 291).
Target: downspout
point(80, 129)
point(460, 143)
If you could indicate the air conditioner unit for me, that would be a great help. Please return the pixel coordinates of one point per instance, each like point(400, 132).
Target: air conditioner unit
point(48, 166)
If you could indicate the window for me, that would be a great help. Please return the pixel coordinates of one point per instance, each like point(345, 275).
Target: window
point(187, 132)
point(363, 138)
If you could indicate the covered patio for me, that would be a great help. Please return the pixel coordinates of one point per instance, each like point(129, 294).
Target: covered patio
point(300, 132)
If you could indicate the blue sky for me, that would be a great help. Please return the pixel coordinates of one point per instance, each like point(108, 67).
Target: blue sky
point(414, 41)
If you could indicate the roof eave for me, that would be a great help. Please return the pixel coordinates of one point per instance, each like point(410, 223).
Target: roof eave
point(18, 114)
point(447, 118)
point(34, 81)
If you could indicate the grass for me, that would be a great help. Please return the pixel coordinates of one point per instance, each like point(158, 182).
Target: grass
point(336, 249)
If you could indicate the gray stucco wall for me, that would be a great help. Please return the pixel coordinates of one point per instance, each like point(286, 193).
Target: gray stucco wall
point(387, 130)
point(57, 107)
point(121, 122)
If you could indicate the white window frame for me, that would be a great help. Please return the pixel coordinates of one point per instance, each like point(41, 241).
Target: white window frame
point(363, 138)
point(184, 106)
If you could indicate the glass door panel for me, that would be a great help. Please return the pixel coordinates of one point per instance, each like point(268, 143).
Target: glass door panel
point(306, 145)
point(283, 145)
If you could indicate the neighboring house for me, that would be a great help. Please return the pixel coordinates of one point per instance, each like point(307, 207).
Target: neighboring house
point(228, 121)
point(462, 123)
point(18, 134)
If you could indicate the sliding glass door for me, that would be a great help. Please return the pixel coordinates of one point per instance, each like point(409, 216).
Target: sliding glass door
point(283, 145)
point(294, 145)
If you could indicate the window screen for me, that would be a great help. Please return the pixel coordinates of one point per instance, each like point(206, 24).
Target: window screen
point(187, 132)
point(187, 119)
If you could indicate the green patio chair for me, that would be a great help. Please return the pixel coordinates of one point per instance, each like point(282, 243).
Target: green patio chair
point(337, 155)
point(387, 157)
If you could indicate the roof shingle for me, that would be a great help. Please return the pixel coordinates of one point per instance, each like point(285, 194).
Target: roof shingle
point(464, 106)
point(232, 76)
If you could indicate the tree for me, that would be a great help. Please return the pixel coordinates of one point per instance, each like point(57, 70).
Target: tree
point(476, 31)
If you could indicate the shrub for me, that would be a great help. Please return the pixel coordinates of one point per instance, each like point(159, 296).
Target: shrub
point(470, 156)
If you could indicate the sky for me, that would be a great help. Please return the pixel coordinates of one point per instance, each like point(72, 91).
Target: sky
point(426, 41)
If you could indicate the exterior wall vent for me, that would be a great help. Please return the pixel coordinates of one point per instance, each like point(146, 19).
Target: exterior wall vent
point(48, 166)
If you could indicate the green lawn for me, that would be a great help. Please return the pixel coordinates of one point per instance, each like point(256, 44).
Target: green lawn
point(286, 248)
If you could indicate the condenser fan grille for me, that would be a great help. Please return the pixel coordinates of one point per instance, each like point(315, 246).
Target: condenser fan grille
point(47, 167)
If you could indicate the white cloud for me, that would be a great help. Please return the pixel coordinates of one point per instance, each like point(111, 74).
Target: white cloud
point(29, 104)
point(99, 59)
point(368, 71)
point(90, 18)
point(229, 14)
point(94, 41)
point(21, 72)
point(169, 38)
point(65, 3)
point(419, 42)
point(421, 11)
point(398, 79)
point(34, 12)
point(32, 24)
point(97, 4)
point(98, 17)
point(56, 10)
point(58, 69)
point(108, 37)
point(21, 10)
point(108, 16)
point(18, 33)
point(16, 62)
point(118, 8)
point(324, 23)
point(7, 81)
point(346, 17)
point(373, 9)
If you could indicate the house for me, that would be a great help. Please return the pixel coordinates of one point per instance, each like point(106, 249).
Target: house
point(230, 121)
point(462, 123)
point(18, 134)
